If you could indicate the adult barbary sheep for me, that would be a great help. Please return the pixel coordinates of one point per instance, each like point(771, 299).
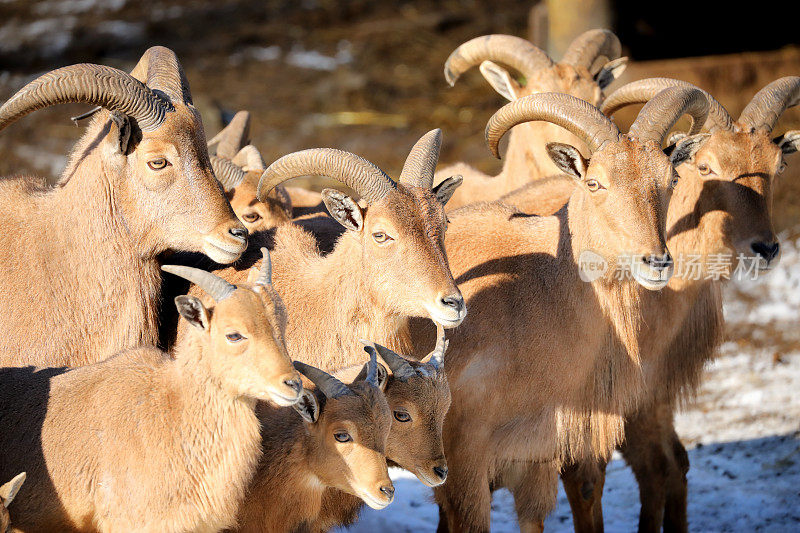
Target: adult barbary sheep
point(139, 182)
point(589, 65)
point(722, 205)
point(146, 441)
point(335, 439)
point(7, 493)
point(544, 366)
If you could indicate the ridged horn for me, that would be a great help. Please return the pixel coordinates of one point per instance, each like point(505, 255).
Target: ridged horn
point(517, 53)
point(160, 70)
point(661, 112)
point(588, 46)
point(232, 137)
point(249, 158)
point(213, 285)
point(400, 367)
point(356, 172)
point(436, 357)
point(642, 91)
point(227, 173)
point(581, 118)
point(265, 274)
point(372, 369)
point(327, 384)
point(767, 106)
point(99, 85)
point(421, 162)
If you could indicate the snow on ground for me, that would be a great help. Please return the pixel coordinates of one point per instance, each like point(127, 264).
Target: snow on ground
point(742, 431)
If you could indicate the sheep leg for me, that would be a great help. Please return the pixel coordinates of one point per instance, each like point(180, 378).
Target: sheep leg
point(464, 502)
point(660, 463)
point(534, 487)
point(583, 483)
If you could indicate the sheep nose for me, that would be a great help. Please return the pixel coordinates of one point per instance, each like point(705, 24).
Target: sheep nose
point(239, 233)
point(767, 250)
point(455, 302)
point(294, 384)
point(658, 262)
point(388, 491)
point(440, 471)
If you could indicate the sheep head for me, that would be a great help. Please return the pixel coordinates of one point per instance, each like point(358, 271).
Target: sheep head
point(152, 151)
point(400, 228)
point(241, 332)
point(625, 187)
point(348, 427)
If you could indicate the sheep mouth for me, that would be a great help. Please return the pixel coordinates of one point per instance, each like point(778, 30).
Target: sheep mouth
point(222, 253)
point(428, 480)
point(375, 503)
point(283, 400)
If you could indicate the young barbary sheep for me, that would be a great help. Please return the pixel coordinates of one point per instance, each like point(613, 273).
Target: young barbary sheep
point(589, 65)
point(334, 437)
point(721, 207)
point(544, 366)
point(139, 182)
point(7, 493)
point(145, 441)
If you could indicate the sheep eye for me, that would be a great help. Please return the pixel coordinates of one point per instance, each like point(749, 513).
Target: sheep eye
point(594, 185)
point(782, 167)
point(251, 217)
point(342, 436)
point(381, 238)
point(234, 337)
point(703, 169)
point(158, 164)
point(402, 416)
point(674, 182)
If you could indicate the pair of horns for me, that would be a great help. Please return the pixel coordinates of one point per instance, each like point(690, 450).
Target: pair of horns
point(527, 58)
point(364, 177)
point(400, 366)
point(235, 157)
point(585, 121)
point(330, 386)
point(215, 286)
point(762, 113)
point(145, 95)
point(232, 137)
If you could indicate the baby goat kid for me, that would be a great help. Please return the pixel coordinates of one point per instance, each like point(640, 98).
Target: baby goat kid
point(147, 442)
point(338, 441)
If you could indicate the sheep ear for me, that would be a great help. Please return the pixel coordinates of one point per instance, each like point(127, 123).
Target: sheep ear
point(344, 209)
point(568, 159)
point(611, 71)
point(674, 137)
point(192, 310)
point(500, 80)
point(444, 191)
point(283, 197)
point(10, 489)
point(122, 132)
point(789, 142)
point(307, 406)
point(686, 148)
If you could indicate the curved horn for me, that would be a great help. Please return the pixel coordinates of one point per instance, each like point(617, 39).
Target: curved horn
point(578, 116)
point(356, 172)
point(588, 46)
point(327, 384)
point(372, 369)
point(249, 158)
point(662, 112)
point(641, 91)
point(160, 70)
point(400, 367)
point(436, 357)
point(91, 84)
point(227, 173)
point(421, 162)
point(265, 274)
point(767, 106)
point(215, 286)
point(507, 49)
point(232, 137)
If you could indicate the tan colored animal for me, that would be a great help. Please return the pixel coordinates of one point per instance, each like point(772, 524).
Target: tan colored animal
point(590, 64)
point(138, 183)
point(721, 214)
point(419, 397)
point(7, 493)
point(145, 441)
point(337, 441)
point(238, 166)
point(545, 365)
